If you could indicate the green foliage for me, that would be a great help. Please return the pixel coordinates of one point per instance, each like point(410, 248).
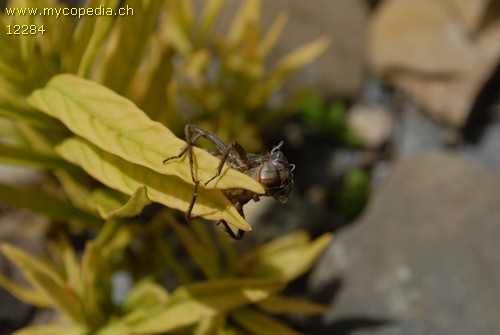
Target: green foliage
point(88, 104)
point(328, 120)
point(237, 291)
point(354, 193)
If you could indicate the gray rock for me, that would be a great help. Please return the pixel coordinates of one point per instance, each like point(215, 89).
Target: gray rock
point(424, 259)
point(415, 133)
point(487, 151)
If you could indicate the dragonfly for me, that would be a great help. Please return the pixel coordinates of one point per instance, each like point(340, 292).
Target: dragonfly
point(271, 170)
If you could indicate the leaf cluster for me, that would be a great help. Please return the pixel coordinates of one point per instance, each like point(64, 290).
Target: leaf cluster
point(86, 103)
point(235, 297)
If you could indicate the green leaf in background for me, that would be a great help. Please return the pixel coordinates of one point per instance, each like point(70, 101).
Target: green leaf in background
point(354, 193)
point(206, 260)
point(67, 329)
point(43, 203)
point(24, 294)
point(96, 282)
point(48, 282)
point(126, 177)
point(282, 305)
point(124, 49)
point(257, 323)
point(117, 126)
point(98, 29)
point(290, 262)
point(26, 157)
point(190, 303)
point(145, 294)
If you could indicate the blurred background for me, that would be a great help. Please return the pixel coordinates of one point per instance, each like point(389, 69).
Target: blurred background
point(391, 115)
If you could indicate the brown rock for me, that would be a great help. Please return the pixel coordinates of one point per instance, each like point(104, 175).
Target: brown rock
point(434, 50)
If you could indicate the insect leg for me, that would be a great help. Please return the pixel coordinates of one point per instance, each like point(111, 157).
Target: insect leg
point(242, 155)
point(239, 234)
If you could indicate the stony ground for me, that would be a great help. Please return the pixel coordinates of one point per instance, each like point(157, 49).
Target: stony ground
point(424, 96)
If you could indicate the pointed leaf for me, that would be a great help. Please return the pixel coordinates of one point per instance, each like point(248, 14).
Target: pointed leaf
point(116, 125)
point(260, 324)
point(272, 35)
point(43, 203)
point(126, 177)
point(30, 158)
point(106, 200)
point(96, 280)
point(300, 57)
point(145, 294)
point(191, 303)
point(126, 45)
point(294, 239)
point(68, 329)
point(200, 255)
point(135, 205)
point(24, 294)
point(281, 305)
point(101, 27)
point(248, 13)
point(208, 17)
point(291, 262)
point(48, 282)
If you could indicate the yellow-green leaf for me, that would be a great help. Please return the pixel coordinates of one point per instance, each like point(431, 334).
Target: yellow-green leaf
point(272, 35)
point(48, 282)
point(300, 57)
point(30, 158)
point(208, 17)
point(126, 45)
point(134, 206)
point(282, 305)
point(106, 200)
point(24, 294)
point(53, 329)
point(248, 14)
point(260, 324)
point(101, 26)
point(199, 253)
point(289, 263)
point(117, 126)
point(96, 280)
point(126, 177)
point(191, 303)
point(145, 294)
point(43, 203)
